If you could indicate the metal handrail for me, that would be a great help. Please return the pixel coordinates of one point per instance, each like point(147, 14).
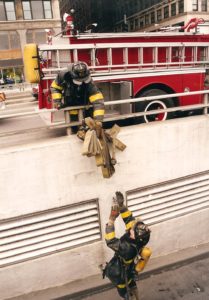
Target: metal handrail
point(203, 105)
point(20, 86)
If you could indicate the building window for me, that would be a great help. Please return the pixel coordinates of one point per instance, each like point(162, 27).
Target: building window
point(37, 9)
point(9, 40)
point(159, 15)
point(131, 25)
point(36, 36)
point(181, 6)
point(173, 9)
point(204, 5)
point(136, 23)
point(4, 40)
point(26, 10)
point(141, 22)
point(146, 19)
point(2, 12)
point(152, 17)
point(195, 5)
point(14, 40)
point(166, 12)
point(47, 9)
point(10, 10)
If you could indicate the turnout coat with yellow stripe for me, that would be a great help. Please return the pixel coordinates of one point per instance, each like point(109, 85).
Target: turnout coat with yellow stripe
point(74, 95)
point(125, 250)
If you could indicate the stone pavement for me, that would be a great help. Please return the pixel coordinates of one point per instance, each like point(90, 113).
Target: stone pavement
point(95, 285)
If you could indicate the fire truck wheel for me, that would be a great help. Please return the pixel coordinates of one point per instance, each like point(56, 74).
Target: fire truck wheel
point(154, 105)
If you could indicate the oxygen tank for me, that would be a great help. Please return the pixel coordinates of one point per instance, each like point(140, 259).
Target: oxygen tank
point(31, 63)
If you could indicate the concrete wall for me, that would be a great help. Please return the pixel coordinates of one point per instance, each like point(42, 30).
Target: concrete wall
point(51, 174)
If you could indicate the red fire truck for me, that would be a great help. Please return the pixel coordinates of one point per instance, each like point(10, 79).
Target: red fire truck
point(127, 65)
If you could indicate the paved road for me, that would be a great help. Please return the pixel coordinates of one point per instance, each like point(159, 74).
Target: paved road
point(183, 282)
point(25, 129)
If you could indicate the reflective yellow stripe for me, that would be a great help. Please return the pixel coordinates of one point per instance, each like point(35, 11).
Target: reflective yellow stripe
point(73, 112)
point(56, 96)
point(54, 85)
point(126, 214)
point(128, 261)
point(110, 236)
point(130, 224)
point(122, 286)
point(96, 97)
point(99, 112)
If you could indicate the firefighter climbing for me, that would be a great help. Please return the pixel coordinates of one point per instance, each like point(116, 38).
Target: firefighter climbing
point(131, 255)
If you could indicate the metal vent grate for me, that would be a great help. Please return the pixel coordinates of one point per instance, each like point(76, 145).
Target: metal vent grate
point(171, 199)
point(39, 234)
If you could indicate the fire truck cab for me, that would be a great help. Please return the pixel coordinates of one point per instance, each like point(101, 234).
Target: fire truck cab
point(128, 65)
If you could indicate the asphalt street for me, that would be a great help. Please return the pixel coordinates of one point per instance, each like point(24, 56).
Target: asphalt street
point(185, 281)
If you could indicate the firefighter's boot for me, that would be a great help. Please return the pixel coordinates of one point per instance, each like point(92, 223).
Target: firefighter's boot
point(134, 293)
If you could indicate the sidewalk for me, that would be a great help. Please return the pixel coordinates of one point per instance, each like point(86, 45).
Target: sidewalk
point(95, 283)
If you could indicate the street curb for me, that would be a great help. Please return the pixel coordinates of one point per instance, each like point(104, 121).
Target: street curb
point(146, 274)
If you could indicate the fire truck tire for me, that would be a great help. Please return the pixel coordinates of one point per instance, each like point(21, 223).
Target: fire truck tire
point(31, 63)
point(153, 105)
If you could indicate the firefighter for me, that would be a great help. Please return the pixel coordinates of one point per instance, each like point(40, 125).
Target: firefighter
point(75, 87)
point(131, 255)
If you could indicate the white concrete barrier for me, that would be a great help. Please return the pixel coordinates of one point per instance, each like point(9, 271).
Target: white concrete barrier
point(53, 174)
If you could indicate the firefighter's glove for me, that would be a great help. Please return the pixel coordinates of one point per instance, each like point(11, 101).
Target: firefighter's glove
point(120, 199)
point(98, 128)
point(115, 211)
point(59, 105)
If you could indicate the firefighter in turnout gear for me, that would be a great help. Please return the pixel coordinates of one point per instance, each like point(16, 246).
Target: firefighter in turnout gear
point(75, 87)
point(131, 255)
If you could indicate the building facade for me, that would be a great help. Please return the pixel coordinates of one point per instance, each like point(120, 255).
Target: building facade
point(24, 22)
point(100, 12)
point(151, 15)
point(81, 15)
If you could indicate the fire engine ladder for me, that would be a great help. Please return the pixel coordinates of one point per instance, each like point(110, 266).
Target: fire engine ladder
point(174, 57)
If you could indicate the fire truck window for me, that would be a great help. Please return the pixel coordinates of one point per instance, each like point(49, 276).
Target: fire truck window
point(37, 9)
point(10, 10)
point(26, 10)
point(2, 12)
point(4, 40)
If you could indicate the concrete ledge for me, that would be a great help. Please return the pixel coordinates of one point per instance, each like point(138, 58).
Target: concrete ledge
point(95, 284)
